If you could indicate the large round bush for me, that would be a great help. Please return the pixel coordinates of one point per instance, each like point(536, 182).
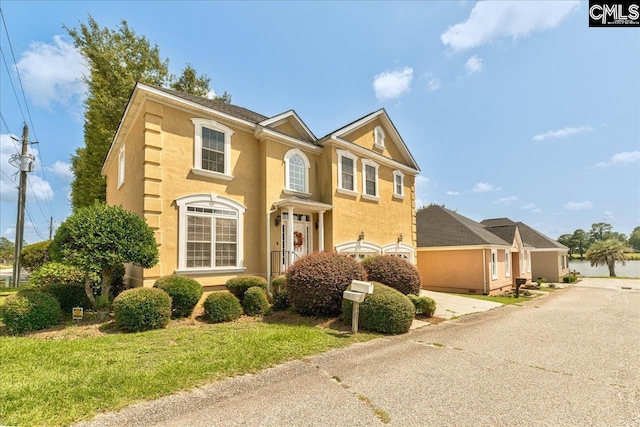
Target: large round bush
point(221, 306)
point(30, 311)
point(56, 273)
point(385, 310)
point(255, 302)
point(69, 295)
point(393, 271)
point(423, 305)
point(184, 292)
point(142, 309)
point(315, 282)
point(239, 285)
point(35, 255)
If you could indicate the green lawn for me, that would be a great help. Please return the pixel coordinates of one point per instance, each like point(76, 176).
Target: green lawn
point(57, 382)
point(501, 300)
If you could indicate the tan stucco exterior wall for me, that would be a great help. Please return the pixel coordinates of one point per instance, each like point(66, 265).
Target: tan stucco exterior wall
point(363, 137)
point(547, 264)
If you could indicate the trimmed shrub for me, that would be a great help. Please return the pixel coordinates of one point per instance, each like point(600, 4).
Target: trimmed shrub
point(56, 273)
point(279, 293)
point(316, 281)
point(69, 295)
point(423, 305)
point(393, 271)
point(385, 310)
point(142, 309)
point(239, 285)
point(184, 292)
point(255, 302)
point(221, 306)
point(566, 279)
point(29, 311)
point(35, 256)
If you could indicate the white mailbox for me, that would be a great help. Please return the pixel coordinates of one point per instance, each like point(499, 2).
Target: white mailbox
point(360, 286)
point(353, 296)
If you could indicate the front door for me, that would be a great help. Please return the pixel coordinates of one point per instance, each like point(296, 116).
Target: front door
point(302, 235)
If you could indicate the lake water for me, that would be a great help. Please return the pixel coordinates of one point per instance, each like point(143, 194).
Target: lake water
point(631, 269)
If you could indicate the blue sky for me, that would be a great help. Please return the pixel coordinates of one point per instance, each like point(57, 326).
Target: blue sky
point(511, 109)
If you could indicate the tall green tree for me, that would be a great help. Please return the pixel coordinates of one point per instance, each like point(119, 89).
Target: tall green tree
point(634, 239)
point(607, 252)
point(567, 240)
point(6, 249)
point(190, 82)
point(600, 231)
point(580, 240)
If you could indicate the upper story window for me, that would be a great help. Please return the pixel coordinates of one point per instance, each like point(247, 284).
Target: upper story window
point(347, 172)
point(296, 172)
point(369, 179)
point(212, 149)
point(494, 264)
point(121, 167)
point(378, 138)
point(398, 184)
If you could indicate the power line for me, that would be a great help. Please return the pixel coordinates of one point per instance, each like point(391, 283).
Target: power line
point(33, 223)
point(12, 85)
point(36, 198)
point(12, 179)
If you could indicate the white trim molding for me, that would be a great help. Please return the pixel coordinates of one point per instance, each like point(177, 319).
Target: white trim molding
point(288, 189)
point(494, 264)
point(378, 138)
point(341, 188)
point(398, 174)
point(121, 166)
point(400, 249)
point(376, 181)
point(199, 124)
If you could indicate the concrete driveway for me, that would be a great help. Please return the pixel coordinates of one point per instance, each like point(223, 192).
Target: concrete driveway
point(568, 359)
point(449, 306)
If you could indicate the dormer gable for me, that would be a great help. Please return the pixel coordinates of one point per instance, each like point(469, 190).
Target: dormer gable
point(289, 123)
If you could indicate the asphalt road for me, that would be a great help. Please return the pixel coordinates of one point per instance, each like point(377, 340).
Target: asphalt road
point(571, 358)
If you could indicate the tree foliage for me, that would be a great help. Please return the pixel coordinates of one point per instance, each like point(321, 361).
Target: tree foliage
point(7, 249)
point(600, 231)
point(607, 252)
point(634, 239)
point(190, 82)
point(99, 238)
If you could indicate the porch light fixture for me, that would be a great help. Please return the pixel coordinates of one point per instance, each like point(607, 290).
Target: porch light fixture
point(400, 238)
point(361, 236)
point(278, 220)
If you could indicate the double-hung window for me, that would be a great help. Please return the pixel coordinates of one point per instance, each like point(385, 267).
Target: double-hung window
point(296, 173)
point(347, 181)
point(212, 149)
point(370, 179)
point(121, 160)
point(398, 184)
point(494, 264)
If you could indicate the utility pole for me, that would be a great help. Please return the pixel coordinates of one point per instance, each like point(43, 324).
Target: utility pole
point(26, 164)
point(51, 228)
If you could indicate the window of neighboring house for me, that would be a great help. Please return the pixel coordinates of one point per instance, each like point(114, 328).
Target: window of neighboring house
point(378, 137)
point(210, 236)
point(521, 257)
point(507, 263)
point(527, 255)
point(121, 167)
point(212, 149)
point(296, 172)
point(398, 184)
point(369, 179)
point(346, 172)
point(494, 264)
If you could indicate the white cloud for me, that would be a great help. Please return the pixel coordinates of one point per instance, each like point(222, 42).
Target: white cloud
point(434, 84)
point(392, 84)
point(608, 216)
point(506, 200)
point(52, 73)
point(529, 206)
point(452, 193)
point(620, 159)
point(491, 20)
point(62, 170)
point(483, 187)
point(421, 180)
point(562, 133)
point(537, 210)
point(579, 206)
point(474, 64)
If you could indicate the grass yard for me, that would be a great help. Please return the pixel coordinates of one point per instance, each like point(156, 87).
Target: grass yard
point(49, 379)
point(501, 300)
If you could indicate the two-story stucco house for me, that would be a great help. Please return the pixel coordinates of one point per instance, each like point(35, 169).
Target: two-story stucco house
point(232, 192)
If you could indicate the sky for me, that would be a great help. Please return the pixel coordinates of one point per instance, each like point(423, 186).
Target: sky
point(511, 109)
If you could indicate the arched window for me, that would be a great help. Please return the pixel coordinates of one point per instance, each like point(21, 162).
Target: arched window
point(378, 138)
point(296, 172)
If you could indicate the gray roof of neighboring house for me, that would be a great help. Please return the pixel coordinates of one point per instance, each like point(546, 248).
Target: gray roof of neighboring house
point(438, 226)
point(530, 236)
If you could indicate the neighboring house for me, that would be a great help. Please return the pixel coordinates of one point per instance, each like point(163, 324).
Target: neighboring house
point(549, 259)
point(231, 192)
point(457, 254)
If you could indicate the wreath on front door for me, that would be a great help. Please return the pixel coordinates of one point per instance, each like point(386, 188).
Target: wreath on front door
point(297, 239)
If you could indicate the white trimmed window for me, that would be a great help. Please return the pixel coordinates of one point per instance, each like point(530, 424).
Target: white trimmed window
point(296, 172)
point(121, 167)
point(398, 184)
point(494, 264)
point(212, 149)
point(507, 263)
point(347, 181)
point(527, 256)
point(378, 138)
point(210, 234)
point(370, 179)
point(521, 262)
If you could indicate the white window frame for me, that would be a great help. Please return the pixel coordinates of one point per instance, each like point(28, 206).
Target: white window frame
point(378, 138)
point(521, 256)
point(287, 179)
point(354, 158)
point(365, 195)
point(198, 124)
point(396, 174)
point(209, 201)
point(494, 264)
point(121, 164)
point(507, 263)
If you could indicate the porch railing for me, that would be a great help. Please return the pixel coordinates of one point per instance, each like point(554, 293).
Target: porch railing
point(281, 261)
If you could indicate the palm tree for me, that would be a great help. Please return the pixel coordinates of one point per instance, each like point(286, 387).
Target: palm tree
point(607, 252)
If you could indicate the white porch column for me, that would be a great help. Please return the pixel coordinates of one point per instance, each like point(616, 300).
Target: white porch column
point(321, 231)
point(289, 235)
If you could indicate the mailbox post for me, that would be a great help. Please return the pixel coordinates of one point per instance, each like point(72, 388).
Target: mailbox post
point(359, 290)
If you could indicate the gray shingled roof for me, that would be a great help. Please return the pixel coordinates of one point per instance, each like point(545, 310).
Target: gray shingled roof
point(530, 236)
point(232, 110)
point(438, 226)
